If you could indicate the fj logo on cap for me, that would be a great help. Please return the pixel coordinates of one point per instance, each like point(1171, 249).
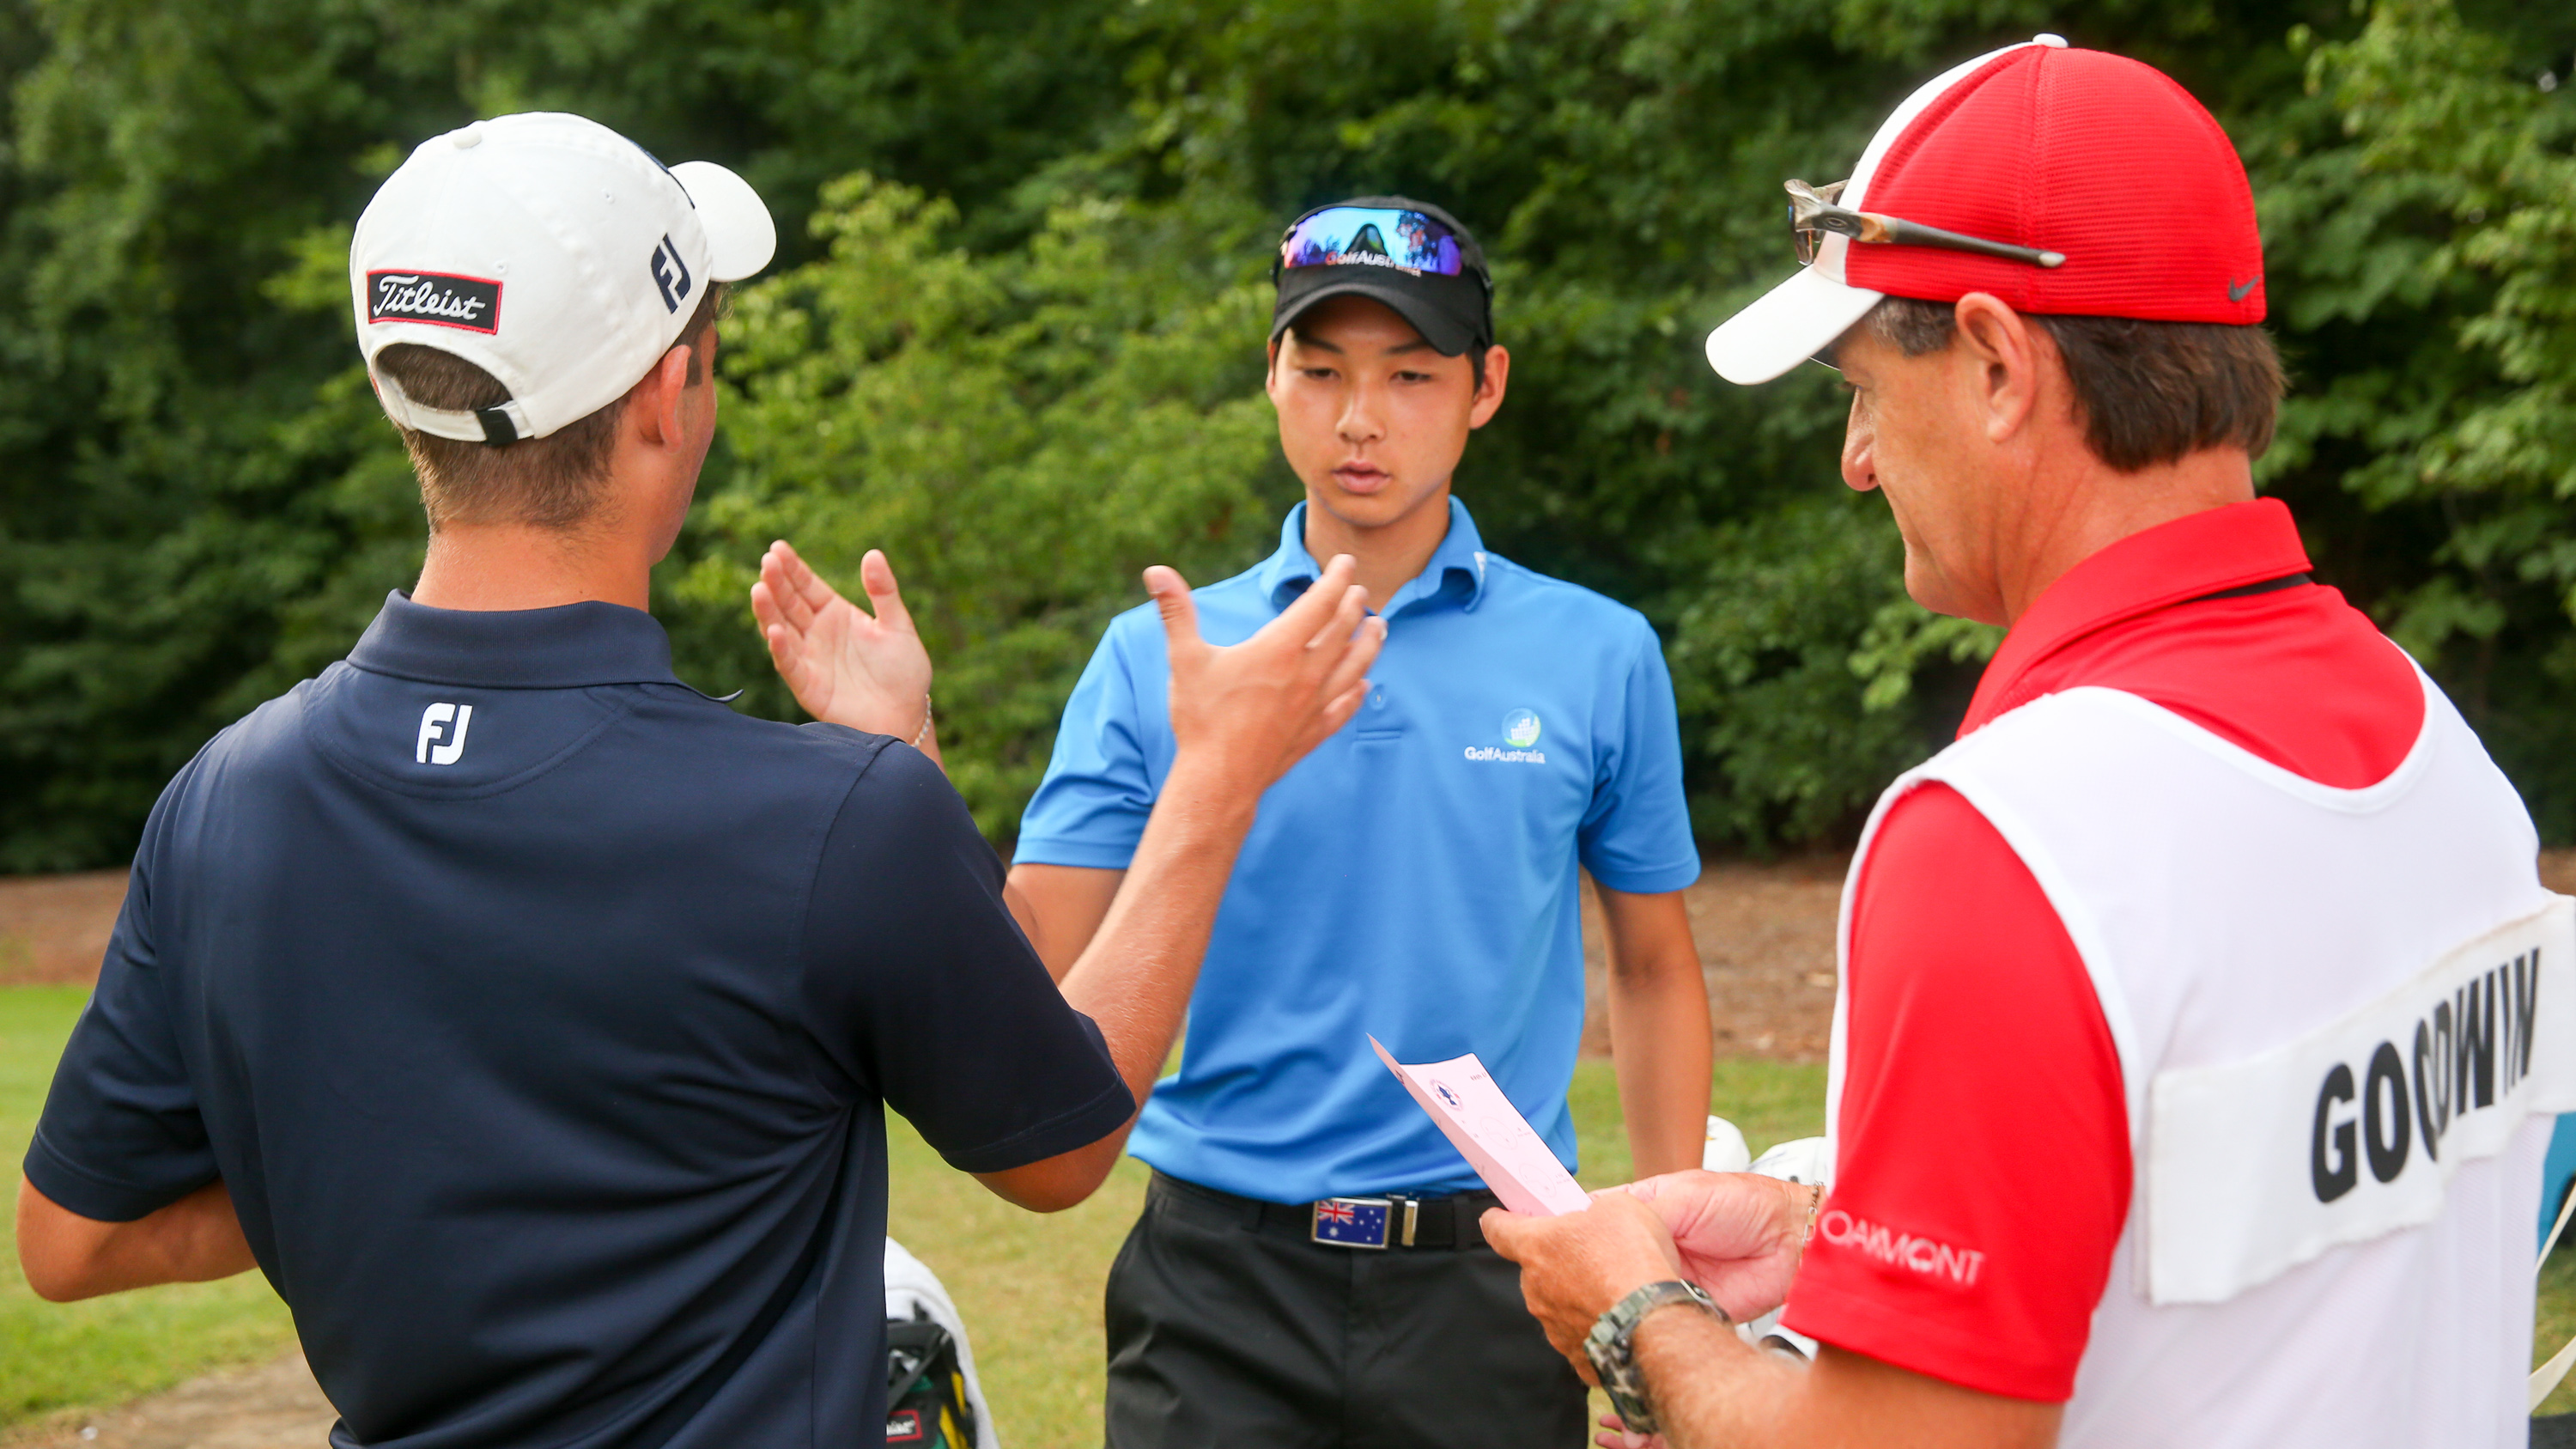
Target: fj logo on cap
point(472, 303)
point(670, 274)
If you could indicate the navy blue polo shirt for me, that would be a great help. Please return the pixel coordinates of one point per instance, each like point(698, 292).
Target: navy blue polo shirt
point(1415, 878)
point(537, 1012)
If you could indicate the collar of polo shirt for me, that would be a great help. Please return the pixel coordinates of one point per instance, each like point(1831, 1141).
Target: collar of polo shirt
point(569, 646)
point(1457, 565)
point(2185, 558)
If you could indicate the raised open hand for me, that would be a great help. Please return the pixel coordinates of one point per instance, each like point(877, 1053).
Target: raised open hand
point(1252, 710)
point(846, 666)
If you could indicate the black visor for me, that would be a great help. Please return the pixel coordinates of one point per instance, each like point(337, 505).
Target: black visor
point(1405, 254)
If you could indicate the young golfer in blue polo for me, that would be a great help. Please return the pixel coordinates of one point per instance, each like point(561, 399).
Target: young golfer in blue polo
point(1308, 1269)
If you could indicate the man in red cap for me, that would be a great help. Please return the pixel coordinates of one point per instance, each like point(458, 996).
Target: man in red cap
point(2201, 1006)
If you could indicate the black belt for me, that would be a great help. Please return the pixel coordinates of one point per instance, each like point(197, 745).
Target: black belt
point(1389, 1220)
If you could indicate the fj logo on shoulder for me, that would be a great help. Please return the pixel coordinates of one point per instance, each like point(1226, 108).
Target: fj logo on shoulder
point(442, 734)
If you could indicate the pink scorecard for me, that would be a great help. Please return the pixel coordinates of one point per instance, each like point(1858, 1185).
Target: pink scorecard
point(1490, 1133)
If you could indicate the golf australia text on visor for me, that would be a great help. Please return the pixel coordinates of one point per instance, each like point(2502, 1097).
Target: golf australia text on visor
point(1372, 236)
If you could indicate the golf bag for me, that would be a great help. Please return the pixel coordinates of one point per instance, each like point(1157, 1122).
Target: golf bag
point(926, 1401)
point(933, 1400)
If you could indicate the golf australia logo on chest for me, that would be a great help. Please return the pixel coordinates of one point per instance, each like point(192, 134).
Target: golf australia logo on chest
point(472, 304)
point(1521, 731)
point(2355, 1129)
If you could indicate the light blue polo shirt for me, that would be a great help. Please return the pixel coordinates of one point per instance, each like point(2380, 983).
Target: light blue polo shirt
point(1414, 878)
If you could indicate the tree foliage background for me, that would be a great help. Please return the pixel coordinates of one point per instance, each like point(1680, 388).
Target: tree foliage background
point(1014, 336)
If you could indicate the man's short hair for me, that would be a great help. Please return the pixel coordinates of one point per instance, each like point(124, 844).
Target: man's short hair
point(550, 482)
point(2149, 392)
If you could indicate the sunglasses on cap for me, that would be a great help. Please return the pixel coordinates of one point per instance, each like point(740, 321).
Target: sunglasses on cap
point(1812, 213)
point(1341, 236)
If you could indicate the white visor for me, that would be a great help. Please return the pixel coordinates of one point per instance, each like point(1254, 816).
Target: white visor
point(1803, 315)
point(1787, 325)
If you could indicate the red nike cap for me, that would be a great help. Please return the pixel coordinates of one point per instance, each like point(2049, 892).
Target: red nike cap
point(2121, 193)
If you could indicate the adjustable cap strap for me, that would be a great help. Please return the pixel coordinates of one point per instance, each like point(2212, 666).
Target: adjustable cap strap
point(504, 423)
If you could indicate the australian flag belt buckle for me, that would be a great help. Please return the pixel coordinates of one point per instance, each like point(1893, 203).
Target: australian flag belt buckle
point(1353, 1222)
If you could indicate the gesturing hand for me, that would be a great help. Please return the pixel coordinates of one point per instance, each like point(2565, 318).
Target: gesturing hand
point(845, 667)
point(1249, 712)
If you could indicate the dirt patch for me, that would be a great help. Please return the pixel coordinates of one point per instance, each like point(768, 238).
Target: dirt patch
point(1766, 947)
point(275, 1405)
point(1765, 935)
point(2558, 871)
point(54, 928)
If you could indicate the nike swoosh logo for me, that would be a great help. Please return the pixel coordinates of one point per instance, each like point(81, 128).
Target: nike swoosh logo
point(2236, 290)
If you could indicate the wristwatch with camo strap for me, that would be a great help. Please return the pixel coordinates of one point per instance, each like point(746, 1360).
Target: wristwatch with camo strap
point(1612, 1348)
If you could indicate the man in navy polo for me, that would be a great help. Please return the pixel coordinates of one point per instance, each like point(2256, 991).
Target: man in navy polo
point(1414, 879)
point(527, 1016)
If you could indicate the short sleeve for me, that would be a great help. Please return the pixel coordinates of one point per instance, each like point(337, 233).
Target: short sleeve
point(1100, 783)
point(1636, 835)
point(921, 987)
point(1983, 1147)
point(121, 1136)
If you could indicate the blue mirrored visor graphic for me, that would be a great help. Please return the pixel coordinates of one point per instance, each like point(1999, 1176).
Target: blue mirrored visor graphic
point(1341, 236)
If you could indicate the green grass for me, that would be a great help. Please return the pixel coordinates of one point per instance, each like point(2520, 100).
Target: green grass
point(2557, 1320)
point(58, 1356)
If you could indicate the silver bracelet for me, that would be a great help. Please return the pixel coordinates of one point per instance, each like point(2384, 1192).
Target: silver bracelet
point(923, 733)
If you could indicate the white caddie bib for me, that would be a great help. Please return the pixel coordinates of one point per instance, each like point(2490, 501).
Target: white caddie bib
point(2344, 1019)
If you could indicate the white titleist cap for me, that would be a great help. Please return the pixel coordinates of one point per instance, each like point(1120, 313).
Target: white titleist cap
point(551, 252)
point(1796, 319)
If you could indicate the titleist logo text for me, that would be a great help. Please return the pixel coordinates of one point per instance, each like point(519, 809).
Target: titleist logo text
point(471, 303)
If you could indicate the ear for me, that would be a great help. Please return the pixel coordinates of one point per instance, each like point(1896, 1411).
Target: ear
point(1489, 396)
point(656, 409)
point(2008, 360)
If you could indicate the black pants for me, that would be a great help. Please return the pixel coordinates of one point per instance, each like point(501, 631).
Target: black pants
point(1229, 1330)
